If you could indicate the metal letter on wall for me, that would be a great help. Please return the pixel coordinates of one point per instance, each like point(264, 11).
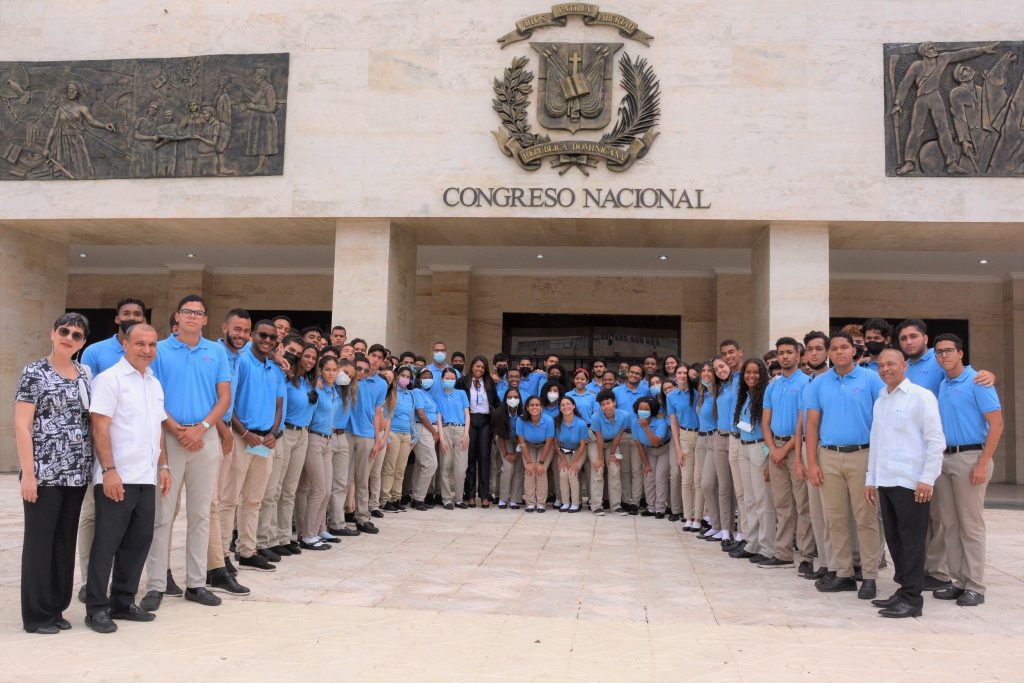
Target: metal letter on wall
point(212, 115)
point(954, 109)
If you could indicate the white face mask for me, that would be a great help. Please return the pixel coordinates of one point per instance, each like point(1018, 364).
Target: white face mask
point(513, 402)
point(552, 396)
point(343, 379)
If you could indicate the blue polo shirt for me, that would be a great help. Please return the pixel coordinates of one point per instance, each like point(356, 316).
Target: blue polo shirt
point(233, 363)
point(343, 415)
point(453, 405)
point(103, 355)
point(369, 397)
point(259, 386)
point(535, 433)
point(500, 387)
point(325, 410)
point(299, 412)
point(422, 400)
point(706, 412)
point(570, 435)
point(585, 403)
point(658, 425)
point(436, 389)
point(402, 415)
point(846, 404)
point(626, 397)
point(531, 384)
point(726, 403)
point(685, 412)
point(755, 432)
point(189, 377)
point(610, 429)
point(783, 398)
point(594, 386)
point(926, 372)
point(962, 407)
point(551, 410)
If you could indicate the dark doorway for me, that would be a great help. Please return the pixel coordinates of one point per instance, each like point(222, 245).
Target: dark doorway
point(101, 322)
point(936, 326)
point(300, 319)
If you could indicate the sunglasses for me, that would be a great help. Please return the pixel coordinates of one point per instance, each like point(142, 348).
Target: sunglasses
point(68, 332)
point(267, 335)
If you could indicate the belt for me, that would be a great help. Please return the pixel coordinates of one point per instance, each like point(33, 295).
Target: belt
point(190, 424)
point(734, 435)
point(846, 449)
point(966, 447)
point(706, 433)
point(320, 434)
point(259, 432)
point(339, 431)
point(747, 443)
point(454, 424)
point(294, 428)
point(783, 439)
point(722, 432)
point(689, 429)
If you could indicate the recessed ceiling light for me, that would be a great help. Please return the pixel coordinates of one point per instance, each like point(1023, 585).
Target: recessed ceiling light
point(82, 255)
point(983, 261)
point(540, 255)
point(663, 258)
point(191, 255)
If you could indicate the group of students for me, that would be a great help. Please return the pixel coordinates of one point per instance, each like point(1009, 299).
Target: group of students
point(288, 441)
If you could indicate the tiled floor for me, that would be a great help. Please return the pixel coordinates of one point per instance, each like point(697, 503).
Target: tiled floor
point(495, 595)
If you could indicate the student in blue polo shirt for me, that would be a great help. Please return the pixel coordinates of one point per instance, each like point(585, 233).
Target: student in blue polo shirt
point(651, 432)
point(439, 362)
point(105, 354)
point(717, 480)
point(430, 433)
point(341, 452)
point(972, 420)
point(196, 379)
point(536, 434)
point(597, 372)
point(631, 469)
point(609, 424)
point(760, 515)
point(839, 415)
point(367, 424)
point(454, 460)
point(400, 406)
point(571, 432)
point(704, 451)
point(318, 470)
point(503, 423)
point(684, 488)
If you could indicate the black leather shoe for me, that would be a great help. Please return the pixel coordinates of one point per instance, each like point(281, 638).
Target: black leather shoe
point(886, 602)
point(728, 545)
point(257, 562)
point(293, 547)
point(367, 527)
point(805, 569)
point(646, 513)
point(633, 510)
point(390, 507)
point(202, 596)
point(817, 575)
point(673, 517)
point(376, 513)
point(221, 579)
point(933, 584)
point(868, 590)
point(282, 550)
point(269, 555)
point(775, 563)
point(900, 610)
point(319, 545)
point(47, 630)
point(948, 593)
point(757, 558)
point(99, 622)
point(421, 506)
point(63, 624)
point(741, 554)
point(132, 613)
point(659, 515)
point(970, 598)
point(81, 594)
point(343, 532)
point(172, 589)
point(449, 506)
point(151, 601)
point(230, 566)
point(462, 505)
point(837, 584)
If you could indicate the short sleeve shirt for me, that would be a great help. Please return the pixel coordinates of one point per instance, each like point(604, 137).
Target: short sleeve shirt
point(962, 407)
point(299, 412)
point(189, 376)
point(570, 435)
point(679, 405)
point(782, 397)
point(422, 400)
point(536, 433)
point(103, 354)
point(453, 405)
point(658, 425)
point(846, 403)
point(609, 429)
point(585, 403)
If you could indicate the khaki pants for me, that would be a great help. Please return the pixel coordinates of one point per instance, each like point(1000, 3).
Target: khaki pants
point(631, 471)
point(376, 468)
point(717, 483)
point(843, 498)
point(681, 479)
point(935, 562)
point(705, 469)
point(86, 532)
point(792, 514)
point(314, 487)
point(656, 483)
point(595, 485)
point(242, 493)
point(760, 516)
point(510, 476)
point(197, 471)
point(613, 467)
point(962, 507)
point(395, 461)
point(341, 459)
point(568, 480)
point(816, 509)
point(275, 521)
point(454, 464)
point(737, 481)
point(536, 485)
point(426, 463)
point(361, 448)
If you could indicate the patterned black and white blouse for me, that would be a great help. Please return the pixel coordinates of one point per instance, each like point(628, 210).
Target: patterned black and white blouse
point(61, 443)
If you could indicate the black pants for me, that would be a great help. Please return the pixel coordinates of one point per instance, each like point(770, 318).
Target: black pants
point(124, 531)
point(478, 473)
point(906, 525)
point(48, 554)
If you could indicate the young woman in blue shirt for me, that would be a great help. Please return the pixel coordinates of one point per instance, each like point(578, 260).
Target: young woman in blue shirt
point(398, 406)
point(571, 432)
point(651, 435)
point(318, 471)
point(707, 418)
point(454, 407)
point(685, 497)
point(760, 512)
point(536, 434)
point(504, 418)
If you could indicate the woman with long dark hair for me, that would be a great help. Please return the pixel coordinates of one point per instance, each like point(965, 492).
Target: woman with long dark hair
point(651, 432)
point(685, 496)
point(536, 434)
point(483, 400)
point(707, 416)
point(760, 512)
point(318, 470)
point(400, 409)
point(503, 423)
point(571, 432)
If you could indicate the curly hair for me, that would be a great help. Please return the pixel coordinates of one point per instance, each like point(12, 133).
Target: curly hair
point(756, 393)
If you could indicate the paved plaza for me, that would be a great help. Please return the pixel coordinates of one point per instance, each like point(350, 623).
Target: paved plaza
point(503, 595)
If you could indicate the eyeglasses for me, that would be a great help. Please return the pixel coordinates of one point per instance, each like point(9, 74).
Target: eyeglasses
point(68, 332)
point(362, 371)
point(267, 335)
point(633, 374)
point(191, 313)
point(945, 352)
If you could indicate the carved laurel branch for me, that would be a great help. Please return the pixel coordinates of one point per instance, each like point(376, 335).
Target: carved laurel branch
point(640, 108)
point(512, 98)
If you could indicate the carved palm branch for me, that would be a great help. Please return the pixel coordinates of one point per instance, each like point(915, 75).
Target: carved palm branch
point(640, 107)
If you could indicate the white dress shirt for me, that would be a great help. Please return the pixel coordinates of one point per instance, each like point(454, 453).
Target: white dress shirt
point(478, 397)
point(135, 405)
point(906, 438)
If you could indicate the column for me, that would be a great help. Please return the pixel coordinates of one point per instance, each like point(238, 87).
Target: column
point(1011, 389)
point(789, 266)
point(33, 290)
point(449, 307)
point(375, 282)
point(184, 279)
point(732, 309)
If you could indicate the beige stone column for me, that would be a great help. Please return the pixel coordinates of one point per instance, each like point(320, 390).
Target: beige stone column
point(182, 280)
point(789, 268)
point(375, 282)
point(449, 308)
point(732, 309)
point(1011, 389)
point(33, 290)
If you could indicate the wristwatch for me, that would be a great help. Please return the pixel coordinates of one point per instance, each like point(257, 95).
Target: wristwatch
point(206, 425)
point(107, 469)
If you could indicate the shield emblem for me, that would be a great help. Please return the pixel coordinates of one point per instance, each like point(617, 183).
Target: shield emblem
point(575, 84)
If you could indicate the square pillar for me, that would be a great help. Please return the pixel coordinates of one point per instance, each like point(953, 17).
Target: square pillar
point(182, 280)
point(732, 310)
point(375, 282)
point(449, 308)
point(1011, 389)
point(33, 289)
point(789, 266)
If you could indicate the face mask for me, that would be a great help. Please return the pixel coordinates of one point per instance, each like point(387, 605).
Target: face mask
point(706, 383)
point(643, 414)
point(458, 367)
point(513, 402)
point(523, 371)
point(427, 382)
point(403, 382)
point(448, 384)
point(819, 366)
point(501, 370)
point(343, 379)
point(874, 347)
point(125, 324)
point(290, 357)
point(552, 396)
point(439, 357)
point(622, 374)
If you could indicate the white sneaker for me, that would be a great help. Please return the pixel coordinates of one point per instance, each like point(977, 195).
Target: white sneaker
point(574, 508)
point(562, 508)
point(558, 503)
point(531, 507)
point(327, 536)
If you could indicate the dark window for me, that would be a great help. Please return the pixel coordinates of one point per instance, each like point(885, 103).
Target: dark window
point(101, 322)
point(936, 326)
point(300, 319)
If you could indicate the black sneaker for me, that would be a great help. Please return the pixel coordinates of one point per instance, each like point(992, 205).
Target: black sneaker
point(400, 507)
point(376, 513)
point(367, 527)
point(173, 590)
point(269, 554)
point(390, 507)
point(449, 506)
point(673, 517)
point(774, 563)
point(620, 511)
point(659, 515)
point(257, 562)
point(933, 584)
point(633, 510)
point(221, 579)
point(462, 505)
point(647, 513)
point(282, 550)
point(232, 569)
point(151, 601)
point(805, 568)
point(293, 547)
point(420, 506)
point(202, 596)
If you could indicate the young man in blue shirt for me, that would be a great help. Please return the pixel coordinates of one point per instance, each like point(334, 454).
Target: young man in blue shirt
point(366, 424)
point(609, 423)
point(733, 357)
point(631, 470)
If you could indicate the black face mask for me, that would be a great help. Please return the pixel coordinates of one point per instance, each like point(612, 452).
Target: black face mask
point(819, 366)
point(124, 325)
point(290, 357)
point(501, 370)
point(524, 370)
point(874, 347)
point(458, 366)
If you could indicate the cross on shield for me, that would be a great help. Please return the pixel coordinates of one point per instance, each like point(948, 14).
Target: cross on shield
point(575, 85)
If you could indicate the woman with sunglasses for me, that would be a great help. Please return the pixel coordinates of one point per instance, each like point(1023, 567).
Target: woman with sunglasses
point(52, 437)
point(318, 471)
point(536, 434)
point(430, 433)
point(399, 408)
